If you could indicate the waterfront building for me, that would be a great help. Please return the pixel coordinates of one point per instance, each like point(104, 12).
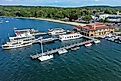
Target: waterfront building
point(95, 30)
point(110, 18)
point(114, 18)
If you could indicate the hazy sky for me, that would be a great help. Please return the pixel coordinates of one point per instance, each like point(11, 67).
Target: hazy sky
point(61, 3)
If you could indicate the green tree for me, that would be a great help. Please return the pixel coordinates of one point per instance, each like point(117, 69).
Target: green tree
point(87, 18)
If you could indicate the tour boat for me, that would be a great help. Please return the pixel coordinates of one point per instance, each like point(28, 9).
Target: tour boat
point(97, 41)
point(25, 32)
point(10, 45)
point(56, 31)
point(45, 57)
point(17, 42)
point(62, 51)
point(88, 44)
point(69, 36)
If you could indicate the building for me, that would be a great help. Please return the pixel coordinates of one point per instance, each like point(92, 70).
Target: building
point(103, 16)
point(95, 30)
point(110, 18)
point(114, 18)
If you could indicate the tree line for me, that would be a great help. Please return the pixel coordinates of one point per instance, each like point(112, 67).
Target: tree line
point(53, 12)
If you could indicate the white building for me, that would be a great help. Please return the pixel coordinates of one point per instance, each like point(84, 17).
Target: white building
point(103, 16)
point(110, 18)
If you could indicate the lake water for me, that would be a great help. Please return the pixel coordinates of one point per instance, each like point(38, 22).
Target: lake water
point(101, 62)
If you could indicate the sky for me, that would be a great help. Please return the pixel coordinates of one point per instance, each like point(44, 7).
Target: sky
point(61, 3)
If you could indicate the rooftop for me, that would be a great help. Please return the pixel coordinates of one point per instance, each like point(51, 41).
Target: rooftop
point(93, 27)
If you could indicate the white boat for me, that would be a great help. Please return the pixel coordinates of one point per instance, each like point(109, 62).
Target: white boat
point(45, 57)
point(97, 41)
point(17, 42)
point(111, 39)
point(62, 51)
point(75, 48)
point(10, 45)
point(56, 31)
point(25, 32)
point(88, 44)
point(6, 21)
point(69, 36)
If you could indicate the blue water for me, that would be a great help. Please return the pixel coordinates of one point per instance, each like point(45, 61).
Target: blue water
point(101, 62)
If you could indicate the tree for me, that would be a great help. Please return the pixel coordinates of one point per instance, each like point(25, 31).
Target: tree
point(87, 18)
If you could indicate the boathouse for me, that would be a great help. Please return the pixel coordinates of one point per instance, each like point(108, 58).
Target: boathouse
point(95, 30)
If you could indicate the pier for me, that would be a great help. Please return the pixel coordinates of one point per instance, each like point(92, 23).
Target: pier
point(56, 50)
point(46, 40)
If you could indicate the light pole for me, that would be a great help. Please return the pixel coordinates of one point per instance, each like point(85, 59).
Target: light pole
point(41, 44)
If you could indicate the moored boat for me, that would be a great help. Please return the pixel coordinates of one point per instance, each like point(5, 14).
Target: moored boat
point(56, 31)
point(88, 44)
point(97, 41)
point(69, 36)
point(17, 42)
point(75, 48)
point(62, 51)
point(10, 45)
point(25, 32)
point(45, 57)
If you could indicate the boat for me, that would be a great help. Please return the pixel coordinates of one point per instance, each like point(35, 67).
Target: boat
point(17, 42)
point(111, 39)
point(25, 32)
point(97, 41)
point(88, 44)
point(119, 42)
point(6, 21)
point(62, 51)
point(45, 57)
point(69, 36)
point(75, 48)
point(56, 31)
point(10, 45)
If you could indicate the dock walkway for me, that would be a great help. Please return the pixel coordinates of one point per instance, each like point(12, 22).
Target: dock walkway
point(56, 50)
point(46, 40)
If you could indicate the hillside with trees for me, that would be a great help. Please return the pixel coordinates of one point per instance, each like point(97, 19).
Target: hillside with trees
point(55, 12)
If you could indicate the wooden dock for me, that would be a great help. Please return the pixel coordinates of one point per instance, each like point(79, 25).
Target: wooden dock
point(56, 50)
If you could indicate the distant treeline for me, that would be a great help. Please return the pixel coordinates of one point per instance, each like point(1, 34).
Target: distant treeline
point(54, 12)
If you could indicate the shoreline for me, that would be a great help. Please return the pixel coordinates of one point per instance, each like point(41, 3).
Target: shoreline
point(59, 21)
point(51, 20)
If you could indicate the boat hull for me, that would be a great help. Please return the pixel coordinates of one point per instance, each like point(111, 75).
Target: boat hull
point(14, 47)
point(46, 57)
point(88, 45)
point(62, 51)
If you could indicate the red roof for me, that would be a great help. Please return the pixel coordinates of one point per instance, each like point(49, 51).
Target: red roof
point(96, 26)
